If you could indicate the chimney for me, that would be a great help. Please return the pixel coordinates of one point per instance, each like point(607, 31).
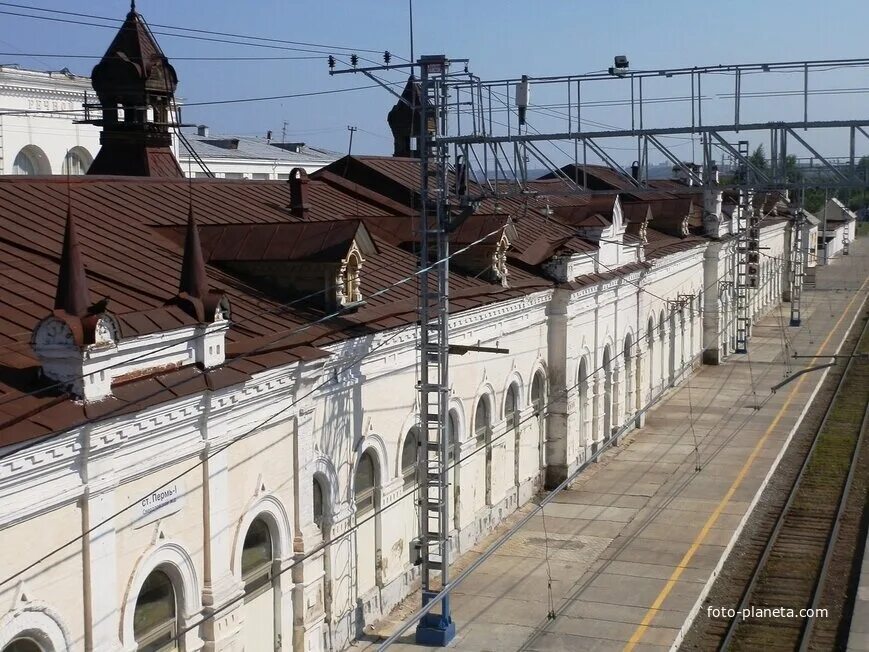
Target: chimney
point(298, 192)
point(202, 130)
point(72, 291)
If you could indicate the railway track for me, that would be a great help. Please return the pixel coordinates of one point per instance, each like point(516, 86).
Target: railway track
point(801, 555)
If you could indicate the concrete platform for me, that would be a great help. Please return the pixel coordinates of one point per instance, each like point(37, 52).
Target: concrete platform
point(635, 544)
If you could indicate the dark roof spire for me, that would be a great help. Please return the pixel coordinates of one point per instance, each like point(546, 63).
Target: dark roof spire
point(194, 280)
point(72, 290)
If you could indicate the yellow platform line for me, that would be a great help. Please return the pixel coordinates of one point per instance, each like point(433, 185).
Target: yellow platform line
point(640, 631)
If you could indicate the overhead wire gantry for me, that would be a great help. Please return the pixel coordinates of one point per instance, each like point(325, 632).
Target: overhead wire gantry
point(457, 130)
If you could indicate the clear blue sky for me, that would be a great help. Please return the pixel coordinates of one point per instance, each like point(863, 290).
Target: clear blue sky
point(501, 39)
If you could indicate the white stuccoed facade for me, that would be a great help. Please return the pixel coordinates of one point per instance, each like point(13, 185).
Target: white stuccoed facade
point(254, 451)
point(43, 137)
point(40, 141)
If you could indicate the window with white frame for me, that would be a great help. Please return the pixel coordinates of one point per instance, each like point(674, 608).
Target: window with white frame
point(409, 456)
point(366, 479)
point(256, 559)
point(155, 620)
point(482, 420)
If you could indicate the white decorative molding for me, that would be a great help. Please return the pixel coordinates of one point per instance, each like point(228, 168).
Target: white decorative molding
point(272, 510)
point(176, 562)
point(38, 621)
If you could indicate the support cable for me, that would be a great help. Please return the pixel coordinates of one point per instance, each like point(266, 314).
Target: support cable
point(551, 614)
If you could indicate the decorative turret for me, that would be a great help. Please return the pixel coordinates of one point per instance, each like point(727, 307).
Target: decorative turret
point(404, 119)
point(75, 324)
point(135, 84)
point(88, 350)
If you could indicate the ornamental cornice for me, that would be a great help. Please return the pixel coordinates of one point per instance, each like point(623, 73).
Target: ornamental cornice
point(666, 264)
point(490, 315)
point(53, 453)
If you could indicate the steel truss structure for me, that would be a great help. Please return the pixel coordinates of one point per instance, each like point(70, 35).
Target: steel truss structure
point(496, 155)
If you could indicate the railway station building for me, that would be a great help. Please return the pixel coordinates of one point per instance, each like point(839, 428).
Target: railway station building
point(208, 403)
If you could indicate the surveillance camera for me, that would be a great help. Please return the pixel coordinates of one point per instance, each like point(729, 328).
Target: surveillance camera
point(620, 61)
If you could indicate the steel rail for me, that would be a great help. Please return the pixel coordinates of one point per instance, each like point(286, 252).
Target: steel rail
point(733, 625)
point(809, 625)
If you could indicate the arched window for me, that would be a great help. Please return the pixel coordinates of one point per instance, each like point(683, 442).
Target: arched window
point(511, 407)
point(409, 456)
point(24, 164)
point(483, 433)
point(453, 454)
point(650, 341)
point(662, 333)
point(366, 479)
point(628, 353)
point(155, 621)
point(538, 400)
point(257, 572)
point(31, 160)
point(24, 644)
point(350, 280)
point(76, 161)
point(482, 419)
point(452, 435)
point(318, 503)
point(511, 416)
point(256, 557)
point(582, 412)
point(607, 393)
point(538, 393)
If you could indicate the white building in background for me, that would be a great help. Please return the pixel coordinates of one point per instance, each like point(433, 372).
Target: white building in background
point(45, 140)
point(839, 227)
point(240, 157)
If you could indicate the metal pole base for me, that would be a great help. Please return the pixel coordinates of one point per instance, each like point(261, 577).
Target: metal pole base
point(435, 630)
point(740, 350)
point(795, 322)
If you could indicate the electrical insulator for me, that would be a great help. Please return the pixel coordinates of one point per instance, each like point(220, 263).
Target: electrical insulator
point(354, 60)
point(387, 57)
point(523, 97)
point(331, 62)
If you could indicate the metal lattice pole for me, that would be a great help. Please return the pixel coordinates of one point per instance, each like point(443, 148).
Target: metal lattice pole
point(743, 244)
point(436, 627)
point(798, 255)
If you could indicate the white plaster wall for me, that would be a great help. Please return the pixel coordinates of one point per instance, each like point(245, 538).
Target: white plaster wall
point(56, 585)
point(329, 594)
point(54, 133)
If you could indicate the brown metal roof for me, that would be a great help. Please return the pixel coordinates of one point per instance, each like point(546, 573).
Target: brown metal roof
point(295, 241)
point(130, 233)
